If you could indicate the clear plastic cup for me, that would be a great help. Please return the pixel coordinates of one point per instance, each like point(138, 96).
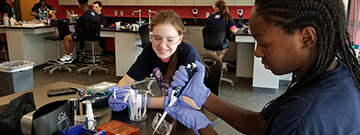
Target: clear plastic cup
point(138, 104)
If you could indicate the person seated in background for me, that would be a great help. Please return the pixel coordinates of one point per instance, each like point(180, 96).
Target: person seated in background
point(223, 19)
point(69, 39)
point(162, 57)
point(42, 5)
point(97, 7)
point(314, 45)
point(7, 9)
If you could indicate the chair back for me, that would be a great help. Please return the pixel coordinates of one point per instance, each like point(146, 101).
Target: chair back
point(144, 35)
point(88, 30)
point(213, 65)
point(213, 37)
point(62, 26)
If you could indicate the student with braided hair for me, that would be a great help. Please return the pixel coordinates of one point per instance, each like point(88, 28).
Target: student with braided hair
point(308, 38)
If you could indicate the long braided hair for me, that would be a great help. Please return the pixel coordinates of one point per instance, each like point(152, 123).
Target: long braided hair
point(328, 19)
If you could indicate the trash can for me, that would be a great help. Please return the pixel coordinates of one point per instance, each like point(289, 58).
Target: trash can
point(16, 76)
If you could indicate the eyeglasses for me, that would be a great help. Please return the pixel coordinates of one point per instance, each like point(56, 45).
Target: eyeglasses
point(171, 40)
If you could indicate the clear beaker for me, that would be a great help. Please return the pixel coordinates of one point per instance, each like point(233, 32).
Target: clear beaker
point(164, 128)
point(138, 104)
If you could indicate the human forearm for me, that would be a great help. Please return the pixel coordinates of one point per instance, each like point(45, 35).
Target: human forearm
point(158, 102)
point(126, 81)
point(245, 121)
point(208, 130)
point(32, 13)
point(234, 30)
point(53, 16)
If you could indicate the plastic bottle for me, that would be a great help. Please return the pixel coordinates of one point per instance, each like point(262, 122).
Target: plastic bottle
point(89, 116)
point(6, 20)
point(45, 15)
point(12, 21)
point(41, 15)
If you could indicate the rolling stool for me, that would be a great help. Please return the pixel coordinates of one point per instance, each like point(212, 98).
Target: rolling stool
point(63, 29)
point(92, 66)
point(214, 37)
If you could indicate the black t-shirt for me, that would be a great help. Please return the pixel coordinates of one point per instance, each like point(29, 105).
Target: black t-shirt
point(6, 8)
point(37, 6)
point(91, 15)
point(217, 20)
point(102, 18)
point(148, 62)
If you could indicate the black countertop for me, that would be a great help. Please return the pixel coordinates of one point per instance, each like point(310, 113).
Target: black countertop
point(121, 30)
point(20, 27)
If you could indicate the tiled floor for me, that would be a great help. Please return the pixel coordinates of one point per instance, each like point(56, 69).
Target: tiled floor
point(240, 95)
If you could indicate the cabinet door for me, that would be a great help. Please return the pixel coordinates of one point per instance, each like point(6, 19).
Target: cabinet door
point(194, 37)
point(185, 2)
point(147, 2)
point(139, 2)
point(204, 2)
point(90, 2)
point(230, 2)
point(166, 2)
point(112, 2)
point(130, 2)
point(244, 2)
point(64, 2)
point(68, 2)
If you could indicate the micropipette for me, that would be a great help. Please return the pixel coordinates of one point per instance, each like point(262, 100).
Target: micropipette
point(176, 93)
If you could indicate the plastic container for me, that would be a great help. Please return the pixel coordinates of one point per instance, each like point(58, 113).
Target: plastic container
point(101, 87)
point(80, 130)
point(12, 21)
point(16, 76)
point(356, 49)
point(116, 127)
point(6, 20)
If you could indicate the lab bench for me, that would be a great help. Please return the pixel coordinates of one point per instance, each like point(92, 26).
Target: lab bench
point(105, 112)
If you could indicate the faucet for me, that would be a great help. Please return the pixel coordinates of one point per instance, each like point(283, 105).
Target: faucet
point(150, 14)
point(139, 11)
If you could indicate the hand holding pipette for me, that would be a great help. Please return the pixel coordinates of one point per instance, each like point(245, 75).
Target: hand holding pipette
point(196, 89)
point(176, 92)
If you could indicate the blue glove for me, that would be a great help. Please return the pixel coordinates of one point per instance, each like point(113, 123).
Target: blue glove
point(116, 101)
point(189, 117)
point(40, 16)
point(196, 88)
point(179, 101)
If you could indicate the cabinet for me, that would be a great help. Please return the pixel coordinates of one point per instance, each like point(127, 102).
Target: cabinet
point(193, 36)
point(111, 2)
point(68, 2)
point(139, 2)
point(175, 2)
point(204, 2)
point(212, 2)
point(244, 2)
point(230, 2)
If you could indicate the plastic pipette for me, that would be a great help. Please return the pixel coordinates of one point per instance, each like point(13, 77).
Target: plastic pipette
point(176, 93)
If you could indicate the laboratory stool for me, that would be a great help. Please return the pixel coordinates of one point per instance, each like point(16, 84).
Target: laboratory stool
point(85, 56)
point(93, 65)
point(214, 38)
point(63, 29)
